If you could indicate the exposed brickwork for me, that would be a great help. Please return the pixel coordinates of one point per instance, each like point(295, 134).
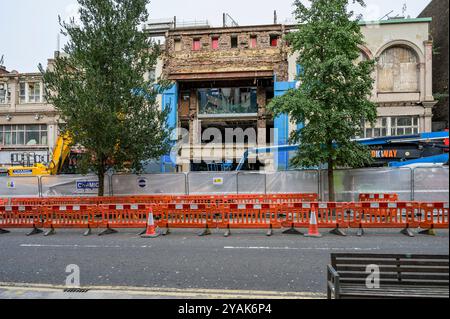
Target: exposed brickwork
point(226, 59)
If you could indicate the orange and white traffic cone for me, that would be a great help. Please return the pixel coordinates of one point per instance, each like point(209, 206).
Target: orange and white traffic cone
point(313, 230)
point(151, 228)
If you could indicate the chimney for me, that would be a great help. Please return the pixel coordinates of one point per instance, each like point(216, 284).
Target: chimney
point(275, 17)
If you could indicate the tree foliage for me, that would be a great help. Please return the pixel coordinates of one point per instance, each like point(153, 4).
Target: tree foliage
point(100, 89)
point(335, 87)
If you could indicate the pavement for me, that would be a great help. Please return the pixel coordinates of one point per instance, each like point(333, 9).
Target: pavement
point(247, 264)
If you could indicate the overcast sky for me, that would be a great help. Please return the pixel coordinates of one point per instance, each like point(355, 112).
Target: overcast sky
point(30, 27)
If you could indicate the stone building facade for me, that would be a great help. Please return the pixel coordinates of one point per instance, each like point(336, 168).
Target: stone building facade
point(28, 124)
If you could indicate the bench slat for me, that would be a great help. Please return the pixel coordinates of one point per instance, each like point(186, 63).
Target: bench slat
point(387, 256)
point(390, 262)
point(364, 275)
point(396, 282)
point(402, 269)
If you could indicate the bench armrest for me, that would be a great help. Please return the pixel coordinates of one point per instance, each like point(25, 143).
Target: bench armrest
point(333, 281)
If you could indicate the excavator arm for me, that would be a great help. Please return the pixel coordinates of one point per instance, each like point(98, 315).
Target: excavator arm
point(60, 153)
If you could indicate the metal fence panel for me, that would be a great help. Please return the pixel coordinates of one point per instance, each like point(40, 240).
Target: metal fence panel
point(348, 184)
point(149, 184)
point(19, 186)
point(431, 184)
point(293, 182)
point(212, 183)
point(251, 183)
point(72, 185)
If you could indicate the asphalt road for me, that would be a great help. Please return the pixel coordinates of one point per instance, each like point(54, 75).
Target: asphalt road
point(248, 260)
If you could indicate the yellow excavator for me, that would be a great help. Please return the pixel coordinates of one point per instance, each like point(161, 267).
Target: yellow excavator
point(60, 153)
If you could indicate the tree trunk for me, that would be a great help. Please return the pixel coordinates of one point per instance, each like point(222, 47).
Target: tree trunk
point(331, 196)
point(101, 182)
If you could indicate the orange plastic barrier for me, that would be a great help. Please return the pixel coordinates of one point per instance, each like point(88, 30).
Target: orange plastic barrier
point(384, 215)
point(123, 215)
point(27, 201)
point(187, 215)
point(433, 215)
point(250, 216)
point(21, 217)
point(405, 215)
point(378, 197)
point(168, 199)
point(71, 216)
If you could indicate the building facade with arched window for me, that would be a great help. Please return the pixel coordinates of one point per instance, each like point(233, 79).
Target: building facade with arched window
point(403, 75)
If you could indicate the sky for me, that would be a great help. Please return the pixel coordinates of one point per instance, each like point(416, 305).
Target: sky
point(32, 27)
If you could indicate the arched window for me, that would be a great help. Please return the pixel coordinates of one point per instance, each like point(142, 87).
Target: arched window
point(398, 70)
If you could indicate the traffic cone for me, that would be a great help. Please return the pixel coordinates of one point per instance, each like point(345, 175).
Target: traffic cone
point(313, 230)
point(151, 228)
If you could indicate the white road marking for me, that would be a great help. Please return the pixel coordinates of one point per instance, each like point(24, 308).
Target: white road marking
point(303, 248)
point(79, 246)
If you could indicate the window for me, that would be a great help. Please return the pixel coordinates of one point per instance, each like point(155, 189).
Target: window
point(196, 45)
point(234, 42)
point(393, 126)
point(253, 41)
point(379, 130)
point(34, 92)
point(215, 43)
point(4, 94)
point(23, 135)
point(404, 125)
point(22, 93)
point(273, 40)
point(177, 44)
point(227, 101)
point(398, 70)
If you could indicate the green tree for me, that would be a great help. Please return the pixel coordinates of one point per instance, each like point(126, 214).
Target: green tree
point(335, 87)
point(100, 88)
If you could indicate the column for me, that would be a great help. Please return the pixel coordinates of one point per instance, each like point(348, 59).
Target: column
point(428, 71)
point(262, 125)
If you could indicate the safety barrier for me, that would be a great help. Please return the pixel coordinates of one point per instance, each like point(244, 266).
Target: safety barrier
point(21, 217)
point(292, 215)
point(72, 216)
point(166, 199)
point(250, 216)
point(378, 197)
point(434, 215)
point(122, 216)
point(187, 216)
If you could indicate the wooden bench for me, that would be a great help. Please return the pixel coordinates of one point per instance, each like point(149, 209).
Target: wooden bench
point(400, 276)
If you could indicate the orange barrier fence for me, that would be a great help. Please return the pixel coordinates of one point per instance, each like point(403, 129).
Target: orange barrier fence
point(247, 216)
point(405, 215)
point(71, 216)
point(378, 197)
point(21, 217)
point(187, 215)
point(434, 215)
point(123, 215)
point(167, 199)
